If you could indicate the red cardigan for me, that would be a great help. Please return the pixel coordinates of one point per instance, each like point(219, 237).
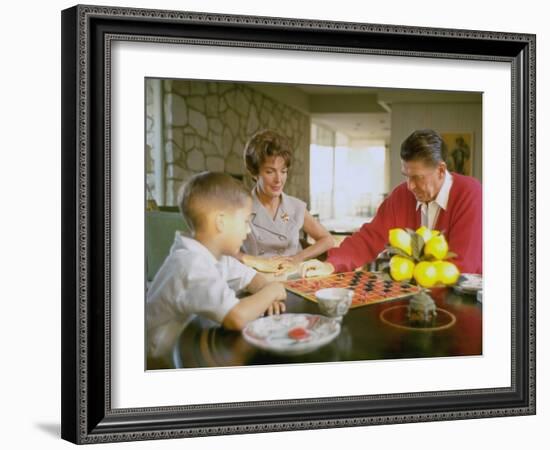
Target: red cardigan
point(461, 223)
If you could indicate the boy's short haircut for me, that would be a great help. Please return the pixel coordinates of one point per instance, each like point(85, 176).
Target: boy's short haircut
point(262, 145)
point(206, 191)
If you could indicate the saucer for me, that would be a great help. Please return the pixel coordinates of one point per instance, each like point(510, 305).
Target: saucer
point(291, 334)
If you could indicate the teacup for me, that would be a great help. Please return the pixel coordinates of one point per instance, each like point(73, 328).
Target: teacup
point(334, 302)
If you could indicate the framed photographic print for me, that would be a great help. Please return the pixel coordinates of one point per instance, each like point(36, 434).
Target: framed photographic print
point(337, 166)
point(153, 98)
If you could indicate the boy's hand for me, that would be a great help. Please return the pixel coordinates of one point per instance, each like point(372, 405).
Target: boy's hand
point(276, 291)
point(276, 308)
point(315, 268)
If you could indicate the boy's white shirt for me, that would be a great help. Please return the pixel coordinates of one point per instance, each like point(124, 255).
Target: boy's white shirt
point(190, 282)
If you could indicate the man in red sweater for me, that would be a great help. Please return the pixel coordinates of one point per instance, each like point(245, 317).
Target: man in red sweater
point(430, 196)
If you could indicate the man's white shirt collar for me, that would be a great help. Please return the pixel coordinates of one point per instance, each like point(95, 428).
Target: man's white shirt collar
point(442, 198)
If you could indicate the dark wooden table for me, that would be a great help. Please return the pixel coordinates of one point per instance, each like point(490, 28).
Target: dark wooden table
point(364, 336)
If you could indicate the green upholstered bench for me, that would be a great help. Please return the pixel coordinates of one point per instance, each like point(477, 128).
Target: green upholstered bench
point(160, 228)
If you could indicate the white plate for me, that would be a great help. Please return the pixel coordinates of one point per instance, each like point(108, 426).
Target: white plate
point(469, 283)
point(272, 333)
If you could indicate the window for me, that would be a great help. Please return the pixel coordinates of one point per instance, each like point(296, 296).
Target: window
point(347, 178)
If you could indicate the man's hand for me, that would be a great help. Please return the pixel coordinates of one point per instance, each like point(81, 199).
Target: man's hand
point(315, 268)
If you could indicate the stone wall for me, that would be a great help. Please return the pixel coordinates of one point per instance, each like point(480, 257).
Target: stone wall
point(153, 127)
point(206, 125)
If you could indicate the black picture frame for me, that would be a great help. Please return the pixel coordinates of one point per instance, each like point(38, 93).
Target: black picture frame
point(87, 415)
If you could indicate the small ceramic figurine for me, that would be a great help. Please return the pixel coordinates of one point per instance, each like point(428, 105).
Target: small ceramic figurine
point(422, 308)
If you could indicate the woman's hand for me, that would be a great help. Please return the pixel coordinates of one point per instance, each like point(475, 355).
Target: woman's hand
point(285, 263)
point(315, 268)
point(274, 264)
point(295, 260)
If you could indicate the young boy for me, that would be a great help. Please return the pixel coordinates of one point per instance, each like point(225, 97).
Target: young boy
point(200, 276)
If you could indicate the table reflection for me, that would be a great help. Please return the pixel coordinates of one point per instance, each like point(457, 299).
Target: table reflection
point(365, 335)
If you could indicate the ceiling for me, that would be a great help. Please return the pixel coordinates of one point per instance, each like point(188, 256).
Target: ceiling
point(368, 126)
point(374, 124)
point(361, 113)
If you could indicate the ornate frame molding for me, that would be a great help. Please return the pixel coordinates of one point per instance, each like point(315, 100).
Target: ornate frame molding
point(87, 416)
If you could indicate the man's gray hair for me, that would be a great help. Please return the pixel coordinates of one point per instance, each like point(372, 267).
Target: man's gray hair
point(425, 145)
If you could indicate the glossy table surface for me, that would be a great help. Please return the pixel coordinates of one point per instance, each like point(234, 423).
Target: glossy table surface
point(368, 333)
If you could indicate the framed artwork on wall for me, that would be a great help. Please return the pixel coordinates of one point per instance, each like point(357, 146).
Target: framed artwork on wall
point(460, 156)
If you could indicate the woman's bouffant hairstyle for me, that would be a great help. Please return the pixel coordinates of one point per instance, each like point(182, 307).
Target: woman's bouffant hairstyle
point(262, 145)
point(206, 191)
point(424, 145)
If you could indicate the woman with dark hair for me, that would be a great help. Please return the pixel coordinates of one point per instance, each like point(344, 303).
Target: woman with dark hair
point(277, 218)
point(430, 196)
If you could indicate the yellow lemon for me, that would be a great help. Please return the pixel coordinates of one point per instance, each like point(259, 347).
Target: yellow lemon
point(426, 233)
point(447, 272)
point(401, 269)
point(436, 247)
point(400, 239)
point(425, 274)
